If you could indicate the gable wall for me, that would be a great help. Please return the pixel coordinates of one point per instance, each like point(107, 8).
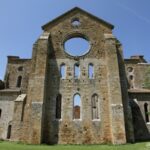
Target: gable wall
point(67, 130)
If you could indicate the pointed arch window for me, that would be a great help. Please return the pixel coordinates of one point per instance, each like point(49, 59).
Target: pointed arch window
point(19, 80)
point(63, 71)
point(76, 71)
point(146, 112)
point(95, 106)
point(58, 106)
point(91, 71)
point(76, 106)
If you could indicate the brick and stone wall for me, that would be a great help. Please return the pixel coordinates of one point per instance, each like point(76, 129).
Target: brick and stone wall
point(7, 98)
point(17, 67)
point(30, 107)
point(106, 84)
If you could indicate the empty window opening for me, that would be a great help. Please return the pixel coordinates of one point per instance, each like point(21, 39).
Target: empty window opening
point(19, 80)
point(131, 81)
point(20, 68)
point(95, 107)
point(23, 109)
point(63, 71)
point(91, 71)
point(76, 46)
point(130, 69)
point(75, 22)
point(131, 77)
point(146, 112)
point(0, 113)
point(58, 106)
point(76, 106)
point(9, 132)
point(76, 71)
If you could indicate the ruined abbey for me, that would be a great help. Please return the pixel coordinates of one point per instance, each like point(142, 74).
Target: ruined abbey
point(57, 97)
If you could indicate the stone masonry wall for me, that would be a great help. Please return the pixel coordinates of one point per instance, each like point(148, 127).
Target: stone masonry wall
point(7, 107)
point(139, 95)
point(33, 114)
point(102, 54)
point(17, 67)
point(140, 75)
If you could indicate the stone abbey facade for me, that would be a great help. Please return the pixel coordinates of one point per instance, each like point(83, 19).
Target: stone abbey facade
point(55, 97)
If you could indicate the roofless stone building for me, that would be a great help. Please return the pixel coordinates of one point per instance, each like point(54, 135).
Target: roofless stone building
point(91, 97)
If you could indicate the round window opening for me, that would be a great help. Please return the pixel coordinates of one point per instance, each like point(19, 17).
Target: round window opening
point(77, 46)
point(75, 22)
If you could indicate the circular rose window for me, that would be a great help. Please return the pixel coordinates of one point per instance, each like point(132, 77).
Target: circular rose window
point(77, 46)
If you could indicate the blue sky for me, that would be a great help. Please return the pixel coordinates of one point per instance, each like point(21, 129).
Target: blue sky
point(21, 21)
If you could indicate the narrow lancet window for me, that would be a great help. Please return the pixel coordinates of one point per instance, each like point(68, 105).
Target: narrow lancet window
point(146, 112)
point(58, 106)
point(77, 106)
point(76, 71)
point(19, 80)
point(0, 113)
point(91, 71)
point(131, 81)
point(63, 71)
point(9, 132)
point(95, 107)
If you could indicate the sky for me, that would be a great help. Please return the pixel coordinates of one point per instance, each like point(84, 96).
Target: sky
point(21, 21)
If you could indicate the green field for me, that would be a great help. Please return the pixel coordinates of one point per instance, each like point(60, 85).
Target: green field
point(18, 146)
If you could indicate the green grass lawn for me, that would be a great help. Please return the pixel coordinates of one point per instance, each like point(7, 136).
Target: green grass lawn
point(17, 146)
